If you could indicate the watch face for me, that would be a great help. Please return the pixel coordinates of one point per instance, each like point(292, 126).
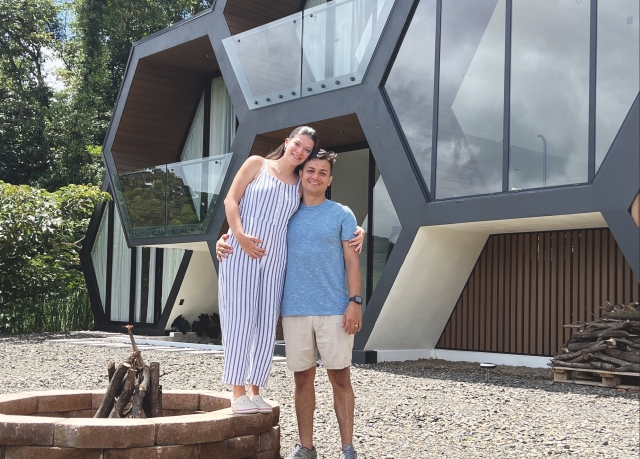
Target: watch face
point(357, 299)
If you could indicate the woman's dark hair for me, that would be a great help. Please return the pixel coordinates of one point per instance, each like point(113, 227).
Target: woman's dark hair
point(300, 130)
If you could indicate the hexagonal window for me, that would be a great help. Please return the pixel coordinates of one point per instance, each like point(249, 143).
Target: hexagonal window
point(356, 178)
point(166, 197)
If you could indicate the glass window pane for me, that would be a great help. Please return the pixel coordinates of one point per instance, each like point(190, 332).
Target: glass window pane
point(386, 228)
point(410, 84)
point(195, 139)
point(350, 188)
point(171, 260)
point(618, 62)
point(338, 40)
point(470, 113)
point(120, 274)
point(549, 93)
point(223, 119)
point(267, 61)
point(99, 255)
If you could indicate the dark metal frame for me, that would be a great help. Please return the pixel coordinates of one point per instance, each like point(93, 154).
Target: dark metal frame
point(609, 192)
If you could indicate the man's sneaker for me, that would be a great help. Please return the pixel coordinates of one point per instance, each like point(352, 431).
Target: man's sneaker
point(348, 452)
point(263, 406)
point(243, 405)
point(300, 452)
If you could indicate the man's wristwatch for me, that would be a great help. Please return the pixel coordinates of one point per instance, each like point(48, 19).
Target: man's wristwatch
point(356, 299)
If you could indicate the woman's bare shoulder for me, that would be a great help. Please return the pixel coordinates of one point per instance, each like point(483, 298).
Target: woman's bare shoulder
point(252, 166)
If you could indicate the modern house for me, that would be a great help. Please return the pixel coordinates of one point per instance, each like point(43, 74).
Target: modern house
point(490, 147)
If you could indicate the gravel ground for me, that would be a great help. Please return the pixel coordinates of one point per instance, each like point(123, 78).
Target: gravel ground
point(423, 409)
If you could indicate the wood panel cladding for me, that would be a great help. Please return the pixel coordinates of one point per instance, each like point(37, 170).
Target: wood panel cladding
point(243, 15)
point(156, 116)
point(525, 287)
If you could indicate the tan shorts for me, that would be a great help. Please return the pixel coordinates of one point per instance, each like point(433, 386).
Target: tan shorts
point(304, 336)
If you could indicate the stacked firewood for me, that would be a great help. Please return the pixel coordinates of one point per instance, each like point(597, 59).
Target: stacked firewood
point(134, 388)
point(610, 344)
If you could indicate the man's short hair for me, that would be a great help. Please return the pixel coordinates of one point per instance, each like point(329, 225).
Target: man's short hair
point(325, 155)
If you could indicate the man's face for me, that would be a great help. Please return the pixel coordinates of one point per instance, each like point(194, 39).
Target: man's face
point(315, 176)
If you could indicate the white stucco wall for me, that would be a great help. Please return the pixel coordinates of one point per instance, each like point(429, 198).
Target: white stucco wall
point(199, 290)
point(427, 288)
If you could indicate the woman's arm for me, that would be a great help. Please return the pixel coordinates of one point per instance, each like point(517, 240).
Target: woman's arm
point(357, 242)
point(247, 173)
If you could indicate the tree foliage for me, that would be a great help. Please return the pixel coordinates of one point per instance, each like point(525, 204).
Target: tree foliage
point(51, 136)
point(40, 239)
point(27, 29)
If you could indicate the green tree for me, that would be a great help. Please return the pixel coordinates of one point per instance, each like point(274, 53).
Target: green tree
point(41, 236)
point(28, 29)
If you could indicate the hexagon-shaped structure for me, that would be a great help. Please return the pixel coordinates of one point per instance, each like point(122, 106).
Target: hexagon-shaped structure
point(496, 194)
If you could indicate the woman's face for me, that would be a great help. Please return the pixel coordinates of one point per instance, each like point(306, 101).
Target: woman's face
point(298, 148)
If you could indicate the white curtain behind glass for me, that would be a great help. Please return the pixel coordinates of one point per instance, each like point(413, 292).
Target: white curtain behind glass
point(99, 255)
point(152, 286)
point(121, 274)
point(193, 146)
point(171, 259)
point(222, 130)
point(223, 119)
point(145, 272)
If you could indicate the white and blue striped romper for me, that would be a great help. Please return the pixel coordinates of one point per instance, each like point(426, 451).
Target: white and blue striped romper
point(250, 290)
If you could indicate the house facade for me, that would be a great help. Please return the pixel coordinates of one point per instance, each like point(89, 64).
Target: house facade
point(490, 148)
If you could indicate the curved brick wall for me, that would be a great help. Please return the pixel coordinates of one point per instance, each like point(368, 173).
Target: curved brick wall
point(196, 425)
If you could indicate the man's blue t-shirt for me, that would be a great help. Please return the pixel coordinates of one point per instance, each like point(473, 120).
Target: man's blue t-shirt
point(315, 283)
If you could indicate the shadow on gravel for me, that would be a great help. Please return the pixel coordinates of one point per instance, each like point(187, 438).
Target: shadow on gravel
point(502, 375)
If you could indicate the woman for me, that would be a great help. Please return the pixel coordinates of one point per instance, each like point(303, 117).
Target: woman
point(263, 196)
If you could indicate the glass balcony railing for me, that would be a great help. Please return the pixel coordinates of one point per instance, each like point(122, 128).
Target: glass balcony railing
point(324, 48)
point(172, 199)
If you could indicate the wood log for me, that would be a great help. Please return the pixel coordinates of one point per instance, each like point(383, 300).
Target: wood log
point(603, 325)
point(621, 363)
point(629, 356)
point(571, 365)
point(585, 335)
point(133, 358)
point(618, 314)
point(604, 366)
point(112, 391)
point(139, 393)
point(155, 392)
point(581, 358)
point(139, 360)
point(125, 395)
point(613, 334)
point(573, 347)
point(629, 343)
point(572, 355)
point(111, 369)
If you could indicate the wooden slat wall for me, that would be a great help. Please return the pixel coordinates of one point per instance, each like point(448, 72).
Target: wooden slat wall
point(525, 287)
point(243, 15)
point(156, 115)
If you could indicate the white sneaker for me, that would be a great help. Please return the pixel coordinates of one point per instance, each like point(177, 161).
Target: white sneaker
point(263, 406)
point(243, 405)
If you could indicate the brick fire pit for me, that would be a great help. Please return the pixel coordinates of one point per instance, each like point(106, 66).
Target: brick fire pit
point(196, 425)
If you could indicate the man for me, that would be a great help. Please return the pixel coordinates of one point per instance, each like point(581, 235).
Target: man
point(321, 312)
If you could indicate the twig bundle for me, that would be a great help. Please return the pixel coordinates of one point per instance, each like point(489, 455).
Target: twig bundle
point(132, 382)
point(611, 343)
